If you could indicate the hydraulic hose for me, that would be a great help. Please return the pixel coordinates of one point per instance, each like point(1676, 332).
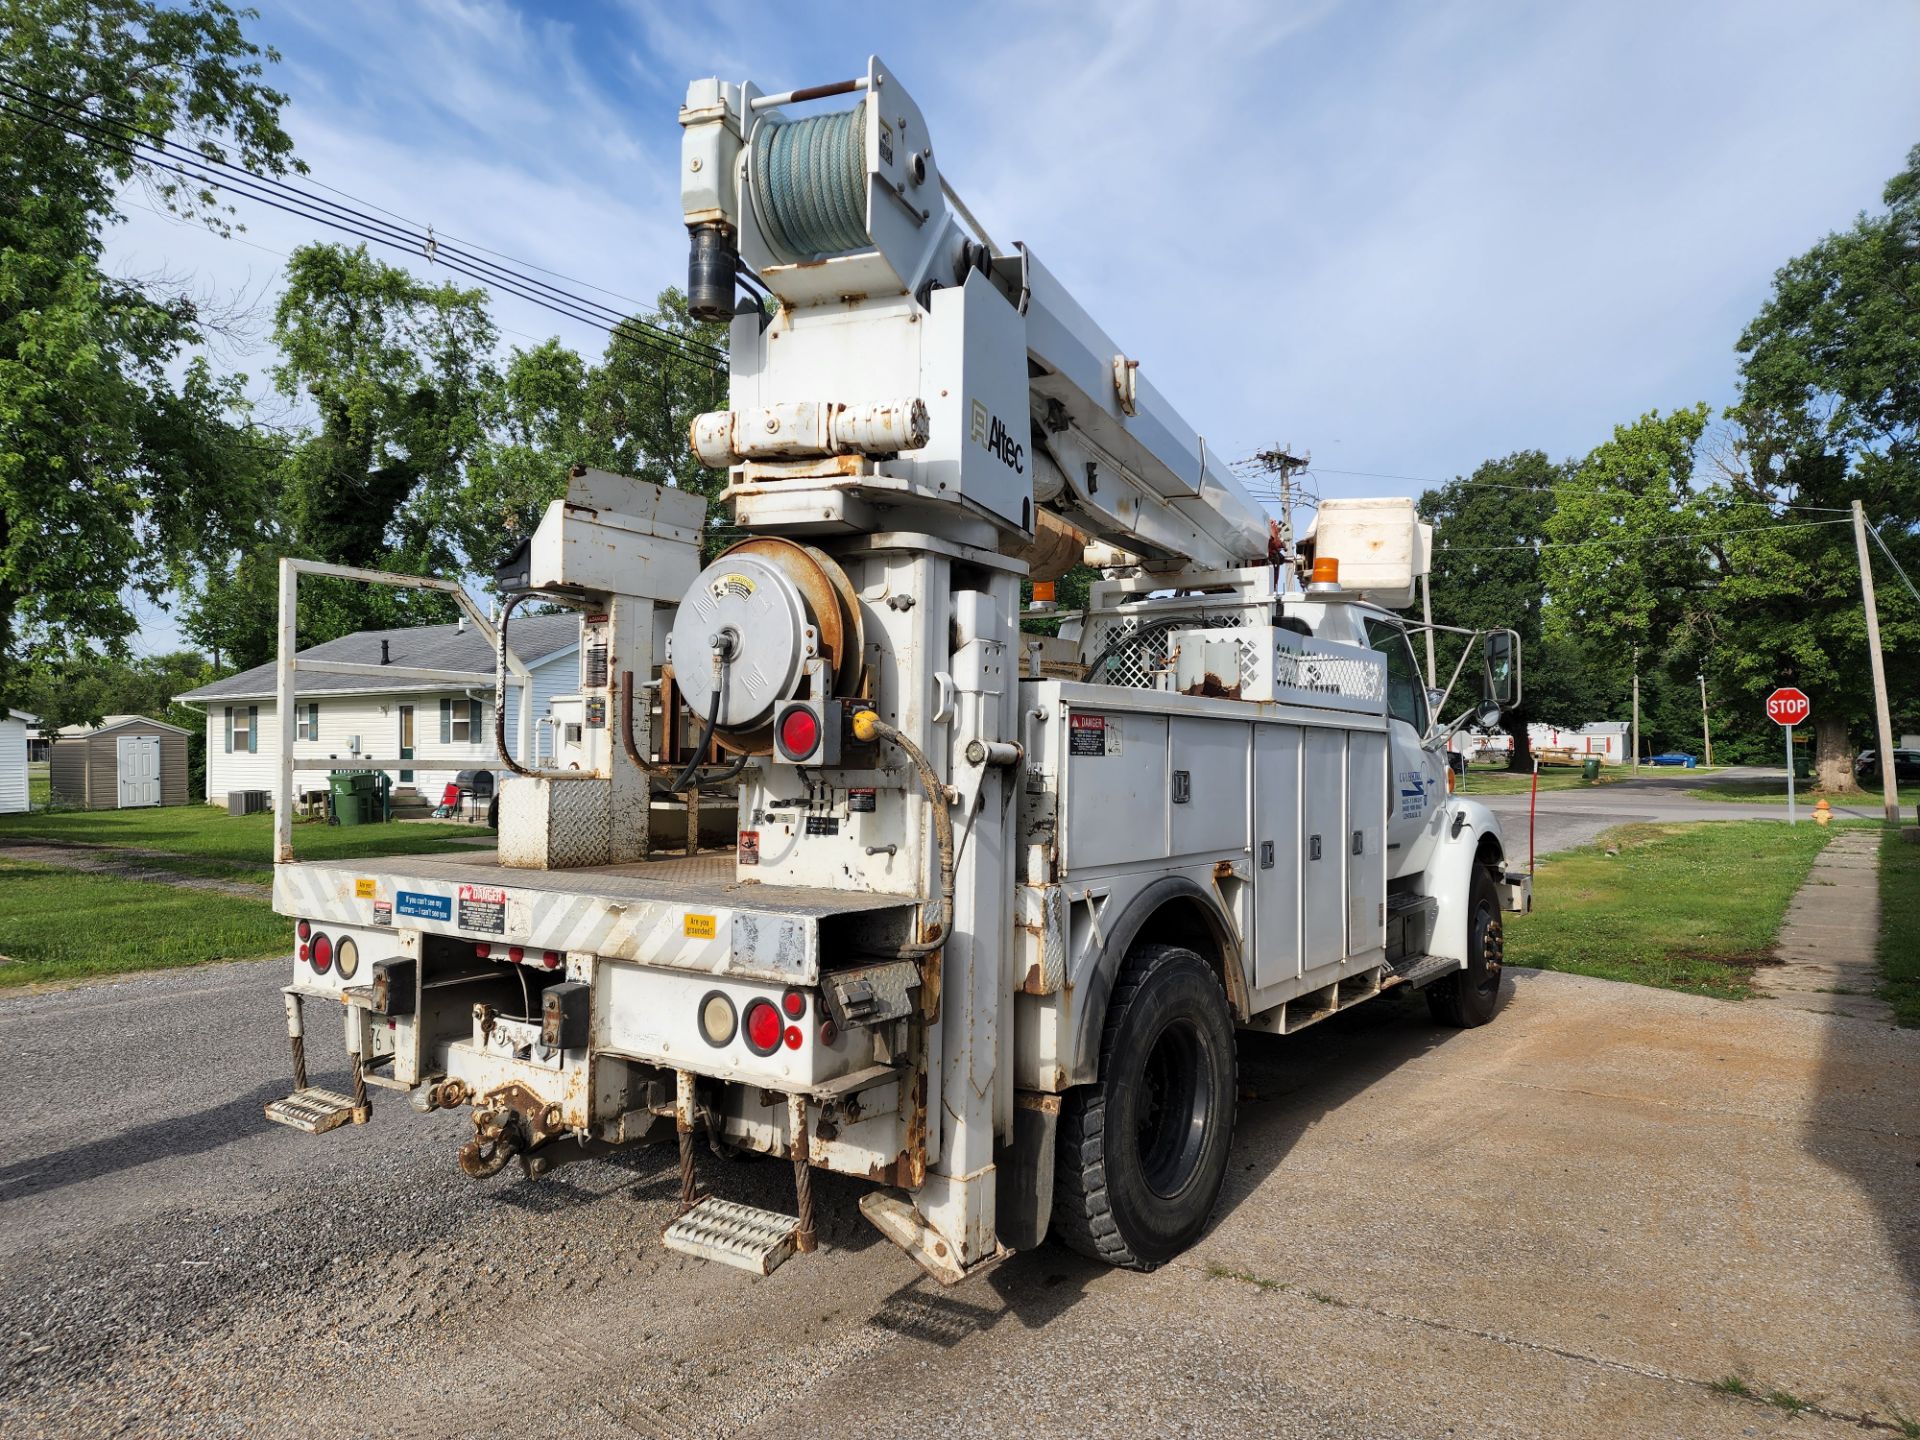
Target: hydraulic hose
point(867, 727)
point(500, 706)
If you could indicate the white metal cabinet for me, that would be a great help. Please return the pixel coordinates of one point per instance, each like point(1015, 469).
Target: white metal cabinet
point(1324, 842)
point(1366, 842)
point(1208, 767)
point(1117, 797)
point(1276, 854)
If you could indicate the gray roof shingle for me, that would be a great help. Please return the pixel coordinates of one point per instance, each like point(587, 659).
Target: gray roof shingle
point(429, 647)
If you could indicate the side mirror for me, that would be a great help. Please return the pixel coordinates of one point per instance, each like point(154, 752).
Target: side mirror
point(1500, 677)
point(1488, 715)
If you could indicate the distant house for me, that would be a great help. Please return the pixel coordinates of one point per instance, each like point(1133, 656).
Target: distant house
point(1605, 738)
point(342, 717)
point(126, 762)
point(16, 728)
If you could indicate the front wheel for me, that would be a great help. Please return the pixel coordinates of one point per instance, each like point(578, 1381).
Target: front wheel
point(1143, 1150)
point(1469, 997)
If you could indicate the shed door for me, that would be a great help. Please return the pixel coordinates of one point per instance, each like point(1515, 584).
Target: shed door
point(139, 768)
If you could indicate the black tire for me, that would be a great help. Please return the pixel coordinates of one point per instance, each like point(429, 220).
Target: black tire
point(1135, 1183)
point(1470, 997)
point(493, 813)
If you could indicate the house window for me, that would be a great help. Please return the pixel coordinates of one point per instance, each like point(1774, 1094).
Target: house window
point(460, 722)
point(243, 729)
point(307, 721)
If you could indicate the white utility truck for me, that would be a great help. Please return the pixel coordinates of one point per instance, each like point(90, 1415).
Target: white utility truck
point(995, 902)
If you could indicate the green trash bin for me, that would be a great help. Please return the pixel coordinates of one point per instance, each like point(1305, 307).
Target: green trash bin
point(1803, 767)
point(1590, 769)
point(355, 800)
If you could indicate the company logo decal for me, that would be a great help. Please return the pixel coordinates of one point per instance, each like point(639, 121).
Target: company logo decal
point(992, 432)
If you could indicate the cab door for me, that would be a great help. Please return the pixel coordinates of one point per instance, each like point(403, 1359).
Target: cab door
point(1417, 776)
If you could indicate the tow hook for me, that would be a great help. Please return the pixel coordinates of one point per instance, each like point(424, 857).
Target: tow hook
point(496, 1140)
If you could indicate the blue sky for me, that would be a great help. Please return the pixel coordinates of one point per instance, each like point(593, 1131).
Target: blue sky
point(1408, 237)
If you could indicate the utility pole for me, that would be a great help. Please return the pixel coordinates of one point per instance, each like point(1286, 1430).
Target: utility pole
point(1706, 727)
point(1889, 794)
point(1283, 462)
point(1636, 709)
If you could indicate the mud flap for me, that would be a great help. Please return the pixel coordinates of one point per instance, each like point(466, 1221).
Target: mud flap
point(1023, 1193)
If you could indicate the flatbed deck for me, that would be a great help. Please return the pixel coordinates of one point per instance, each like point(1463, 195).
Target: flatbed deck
point(681, 912)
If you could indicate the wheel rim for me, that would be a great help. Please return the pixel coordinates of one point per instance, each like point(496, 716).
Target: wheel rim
point(1176, 1095)
point(1486, 922)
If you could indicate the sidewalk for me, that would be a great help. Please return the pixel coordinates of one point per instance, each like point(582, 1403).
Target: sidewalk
point(1826, 946)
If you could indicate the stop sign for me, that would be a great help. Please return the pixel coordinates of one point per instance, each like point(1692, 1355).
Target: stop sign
point(1788, 706)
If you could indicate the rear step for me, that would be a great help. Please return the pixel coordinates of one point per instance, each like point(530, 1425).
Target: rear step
point(743, 1236)
point(317, 1111)
point(1423, 970)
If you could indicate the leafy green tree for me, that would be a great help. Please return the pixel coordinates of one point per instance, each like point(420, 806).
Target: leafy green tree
point(1829, 412)
point(399, 375)
point(1487, 574)
point(115, 447)
point(82, 690)
point(629, 413)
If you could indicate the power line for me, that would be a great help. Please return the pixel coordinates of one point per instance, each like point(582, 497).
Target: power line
point(279, 195)
point(1649, 540)
point(1893, 560)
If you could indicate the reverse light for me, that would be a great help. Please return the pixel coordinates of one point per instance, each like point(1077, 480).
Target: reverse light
point(717, 1020)
point(320, 954)
point(762, 1027)
point(346, 957)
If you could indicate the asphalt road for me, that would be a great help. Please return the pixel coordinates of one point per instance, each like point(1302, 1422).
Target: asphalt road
point(1569, 1223)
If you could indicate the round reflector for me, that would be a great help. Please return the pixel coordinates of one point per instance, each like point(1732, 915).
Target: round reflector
point(551, 959)
point(516, 954)
point(304, 929)
point(762, 1026)
point(483, 951)
point(346, 957)
point(794, 1037)
point(799, 732)
point(717, 1020)
point(321, 953)
point(794, 1003)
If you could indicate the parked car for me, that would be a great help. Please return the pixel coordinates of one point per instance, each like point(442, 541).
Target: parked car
point(1906, 766)
point(1674, 757)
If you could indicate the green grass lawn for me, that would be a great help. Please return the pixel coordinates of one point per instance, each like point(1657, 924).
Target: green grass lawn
point(1558, 777)
point(1900, 928)
point(1763, 790)
point(39, 787)
point(1687, 907)
point(62, 925)
point(209, 841)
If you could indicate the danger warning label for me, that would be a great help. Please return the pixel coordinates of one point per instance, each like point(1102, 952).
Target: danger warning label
point(483, 908)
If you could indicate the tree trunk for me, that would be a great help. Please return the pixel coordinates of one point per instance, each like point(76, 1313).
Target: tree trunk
point(1832, 755)
point(1515, 724)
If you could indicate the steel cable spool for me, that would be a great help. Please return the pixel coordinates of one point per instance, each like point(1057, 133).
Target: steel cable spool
point(810, 183)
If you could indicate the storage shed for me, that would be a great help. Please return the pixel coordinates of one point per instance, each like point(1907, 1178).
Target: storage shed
point(15, 726)
point(122, 763)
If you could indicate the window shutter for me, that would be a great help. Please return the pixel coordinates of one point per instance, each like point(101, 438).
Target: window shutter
point(446, 722)
point(229, 729)
point(253, 729)
point(473, 721)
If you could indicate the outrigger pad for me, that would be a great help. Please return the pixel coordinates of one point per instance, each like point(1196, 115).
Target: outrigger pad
point(743, 1236)
point(316, 1111)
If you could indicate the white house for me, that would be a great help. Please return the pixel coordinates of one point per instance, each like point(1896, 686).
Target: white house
point(343, 717)
point(14, 725)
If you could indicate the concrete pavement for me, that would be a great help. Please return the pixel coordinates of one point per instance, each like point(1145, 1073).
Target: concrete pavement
point(1827, 946)
point(1571, 1223)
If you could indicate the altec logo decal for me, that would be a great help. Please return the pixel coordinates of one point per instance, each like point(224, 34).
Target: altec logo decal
point(988, 430)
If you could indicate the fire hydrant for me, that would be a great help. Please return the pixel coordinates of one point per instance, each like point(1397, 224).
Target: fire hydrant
point(1822, 812)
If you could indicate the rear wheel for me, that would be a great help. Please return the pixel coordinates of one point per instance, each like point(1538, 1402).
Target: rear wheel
point(1469, 997)
point(1143, 1151)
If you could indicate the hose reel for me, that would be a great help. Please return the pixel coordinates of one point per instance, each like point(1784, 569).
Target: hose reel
point(809, 183)
point(749, 628)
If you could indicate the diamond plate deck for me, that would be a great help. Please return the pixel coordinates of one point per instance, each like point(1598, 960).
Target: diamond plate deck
point(743, 1236)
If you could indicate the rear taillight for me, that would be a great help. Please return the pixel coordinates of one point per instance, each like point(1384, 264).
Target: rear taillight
point(763, 1028)
point(484, 952)
point(551, 959)
point(516, 954)
point(304, 929)
point(320, 954)
point(794, 1003)
point(717, 1020)
point(346, 959)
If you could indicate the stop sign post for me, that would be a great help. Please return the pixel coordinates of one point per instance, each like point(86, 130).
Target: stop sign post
point(1789, 707)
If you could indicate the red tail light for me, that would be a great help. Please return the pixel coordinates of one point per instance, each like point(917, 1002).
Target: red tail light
point(485, 952)
point(762, 1027)
point(794, 1003)
point(516, 954)
point(551, 959)
point(799, 732)
point(321, 954)
point(304, 929)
